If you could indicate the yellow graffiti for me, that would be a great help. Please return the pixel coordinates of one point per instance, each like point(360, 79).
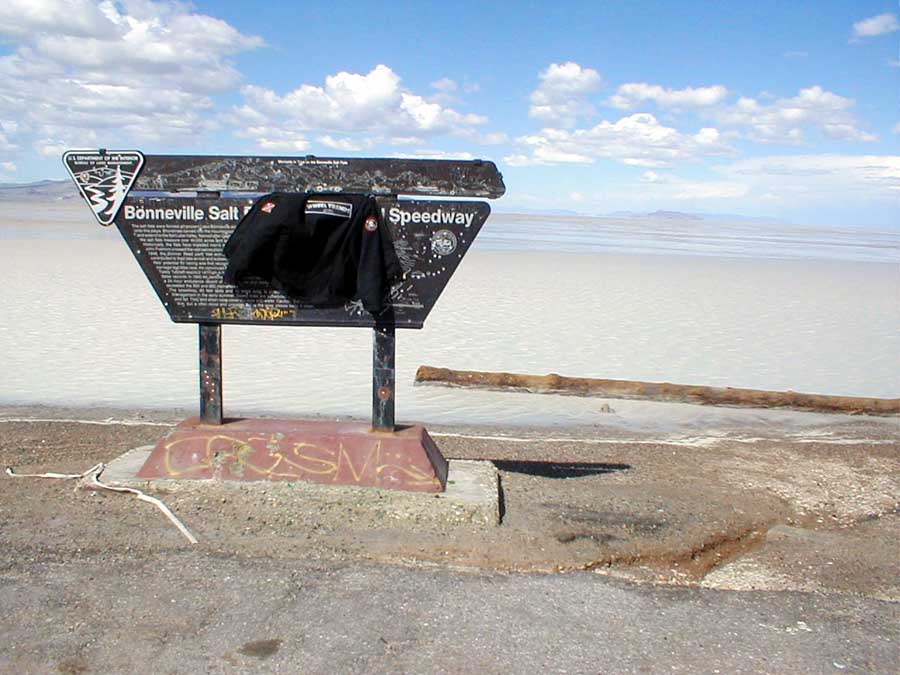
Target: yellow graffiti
point(375, 452)
point(324, 468)
point(212, 459)
point(258, 313)
point(221, 452)
point(271, 313)
point(225, 313)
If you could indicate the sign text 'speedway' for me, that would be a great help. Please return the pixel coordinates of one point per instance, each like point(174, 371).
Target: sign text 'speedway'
point(399, 216)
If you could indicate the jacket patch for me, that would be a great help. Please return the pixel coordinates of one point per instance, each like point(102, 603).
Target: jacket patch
point(268, 207)
point(318, 207)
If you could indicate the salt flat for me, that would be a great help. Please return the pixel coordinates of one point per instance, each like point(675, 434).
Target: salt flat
point(83, 327)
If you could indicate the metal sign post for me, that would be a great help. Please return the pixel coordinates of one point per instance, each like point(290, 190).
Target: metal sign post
point(211, 373)
point(383, 378)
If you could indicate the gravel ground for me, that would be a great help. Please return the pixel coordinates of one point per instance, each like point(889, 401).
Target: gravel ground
point(768, 511)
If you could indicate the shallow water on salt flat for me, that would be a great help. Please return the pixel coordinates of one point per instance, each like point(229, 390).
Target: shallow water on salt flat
point(82, 326)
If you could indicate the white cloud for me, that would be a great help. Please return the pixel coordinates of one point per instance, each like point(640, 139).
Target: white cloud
point(135, 70)
point(560, 98)
point(847, 132)
point(896, 128)
point(636, 140)
point(53, 147)
point(345, 144)
point(347, 101)
point(784, 120)
point(696, 190)
point(494, 138)
point(8, 167)
point(813, 180)
point(659, 186)
point(445, 85)
point(778, 120)
point(629, 96)
point(875, 25)
point(374, 102)
point(447, 91)
point(7, 129)
point(822, 178)
point(432, 117)
point(520, 159)
point(276, 140)
point(74, 18)
point(406, 140)
point(645, 162)
point(437, 154)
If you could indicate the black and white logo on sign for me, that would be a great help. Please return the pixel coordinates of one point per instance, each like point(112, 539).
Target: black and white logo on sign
point(443, 242)
point(104, 178)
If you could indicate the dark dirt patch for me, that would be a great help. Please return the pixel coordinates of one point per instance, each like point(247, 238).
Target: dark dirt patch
point(74, 665)
point(260, 649)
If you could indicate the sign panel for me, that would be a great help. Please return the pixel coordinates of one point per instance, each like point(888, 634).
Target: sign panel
point(178, 243)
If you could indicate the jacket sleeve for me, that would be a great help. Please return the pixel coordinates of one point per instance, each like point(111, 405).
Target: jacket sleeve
point(379, 266)
point(250, 247)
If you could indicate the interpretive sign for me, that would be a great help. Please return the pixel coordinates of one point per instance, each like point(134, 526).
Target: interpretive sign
point(178, 244)
point(176, 213)
point(182, 209)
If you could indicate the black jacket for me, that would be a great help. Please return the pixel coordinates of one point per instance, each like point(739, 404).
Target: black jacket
point(319, 249)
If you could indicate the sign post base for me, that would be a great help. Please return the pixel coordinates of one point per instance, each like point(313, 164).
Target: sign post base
point(340, 453)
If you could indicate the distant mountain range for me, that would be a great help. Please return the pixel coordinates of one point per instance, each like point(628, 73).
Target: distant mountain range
point(42, 190)
point(679, 215)
point(667, 215)
point(64, 190)
point(658, 215)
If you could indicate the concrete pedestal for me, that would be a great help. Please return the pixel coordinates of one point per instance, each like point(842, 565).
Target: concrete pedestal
point(339, 453)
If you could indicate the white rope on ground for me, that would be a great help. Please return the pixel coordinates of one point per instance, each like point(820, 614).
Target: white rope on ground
point(539, 439)
point(690, 441)
point(586, 441)
point(109, 421)
point(96, 468)
point(91, 477)
point(686, 441)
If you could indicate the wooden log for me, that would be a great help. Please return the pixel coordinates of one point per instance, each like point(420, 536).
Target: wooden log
point(657, 391)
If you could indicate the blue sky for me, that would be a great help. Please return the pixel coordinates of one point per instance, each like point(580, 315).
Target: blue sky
point(762, 108)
